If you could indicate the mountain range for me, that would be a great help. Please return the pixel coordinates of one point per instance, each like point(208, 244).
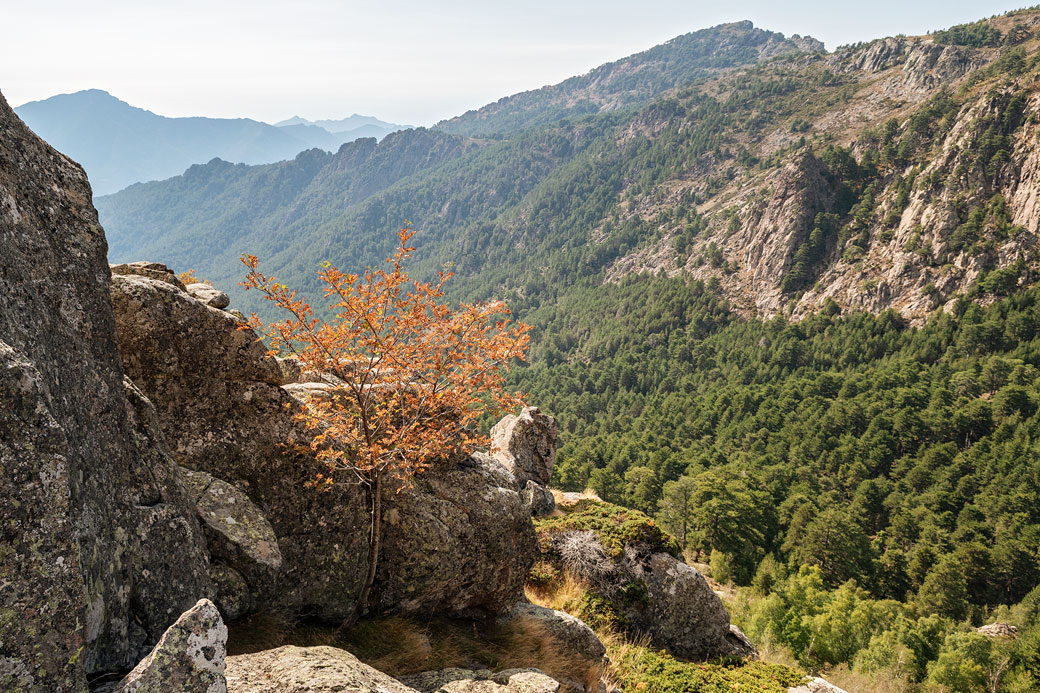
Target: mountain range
point(119, 144)
point(870, 176)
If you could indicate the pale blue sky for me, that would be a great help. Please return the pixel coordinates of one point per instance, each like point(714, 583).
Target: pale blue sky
point(401, 60)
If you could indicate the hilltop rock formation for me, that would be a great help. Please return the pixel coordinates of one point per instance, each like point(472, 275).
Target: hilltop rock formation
point(94, 503)
point(526, 445)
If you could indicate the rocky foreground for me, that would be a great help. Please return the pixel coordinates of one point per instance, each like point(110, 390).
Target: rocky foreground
point(149, 499)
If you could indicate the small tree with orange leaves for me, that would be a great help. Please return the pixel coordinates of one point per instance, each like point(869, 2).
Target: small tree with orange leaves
point(411, 375)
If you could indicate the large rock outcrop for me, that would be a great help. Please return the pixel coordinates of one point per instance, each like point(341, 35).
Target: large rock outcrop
point(86, 482)
point(459, 540)
point(680, 611)
point(526, 445)
point(220, 404)
point(222, 408)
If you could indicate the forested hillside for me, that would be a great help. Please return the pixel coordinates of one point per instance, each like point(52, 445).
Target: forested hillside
point(786, 305)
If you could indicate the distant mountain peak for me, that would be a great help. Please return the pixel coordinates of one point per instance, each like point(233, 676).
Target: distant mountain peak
point(120, 144)
point(295, 120)
point(344, 125)
point(632, 80)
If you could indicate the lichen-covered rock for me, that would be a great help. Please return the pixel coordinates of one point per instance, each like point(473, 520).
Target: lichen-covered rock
point(681, 612)
point(39, 560)
point(538, 500)
point(212, 297)
point(231, 592)
point(526, 445)
point(221, 408)
point(292, 669)
point(229, 514)
point(164, 333)
point(292, 372)
point(570, 636)
point(459, 540)
point(84, 484)
point(189, 658)
point(482, 681)
point(242, 545)
point(174, 568)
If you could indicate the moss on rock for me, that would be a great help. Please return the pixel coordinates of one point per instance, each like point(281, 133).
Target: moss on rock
point(615, 527)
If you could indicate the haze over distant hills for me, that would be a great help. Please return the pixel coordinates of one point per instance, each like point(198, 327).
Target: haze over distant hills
point(354, 123)
point(119, 144)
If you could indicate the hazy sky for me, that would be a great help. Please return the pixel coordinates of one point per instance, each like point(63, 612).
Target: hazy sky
point(404, 61)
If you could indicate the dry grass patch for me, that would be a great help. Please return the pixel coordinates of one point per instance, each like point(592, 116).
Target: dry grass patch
point(400, 646)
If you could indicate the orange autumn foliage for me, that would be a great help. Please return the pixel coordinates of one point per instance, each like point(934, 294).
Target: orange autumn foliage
point(413, 374)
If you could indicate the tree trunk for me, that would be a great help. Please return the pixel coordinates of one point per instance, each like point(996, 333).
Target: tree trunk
point(374, 535)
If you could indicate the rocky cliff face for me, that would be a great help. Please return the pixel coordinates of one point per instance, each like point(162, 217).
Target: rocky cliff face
point(944, 191)
point(100, 551)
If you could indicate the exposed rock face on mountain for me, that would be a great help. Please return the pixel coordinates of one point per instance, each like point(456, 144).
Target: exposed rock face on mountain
point(772, 229)
point(924, 64)
point(88, 486)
